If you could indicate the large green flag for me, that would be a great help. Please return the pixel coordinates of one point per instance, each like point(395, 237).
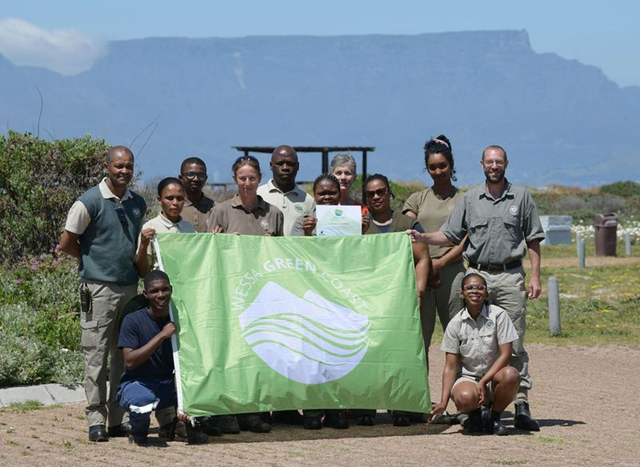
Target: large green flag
point(295, 323)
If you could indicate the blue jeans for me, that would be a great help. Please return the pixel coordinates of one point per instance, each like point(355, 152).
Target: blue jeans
point(140, 397)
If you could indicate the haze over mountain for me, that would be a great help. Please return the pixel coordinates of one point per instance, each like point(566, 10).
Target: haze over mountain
point(561, 121)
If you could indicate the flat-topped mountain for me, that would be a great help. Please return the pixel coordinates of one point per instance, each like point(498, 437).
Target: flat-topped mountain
point(561, 121)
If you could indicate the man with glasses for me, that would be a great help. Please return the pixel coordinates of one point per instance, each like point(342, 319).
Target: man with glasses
point(193, 174)
point(502, 223)
point(282, 191)
point(102, 229)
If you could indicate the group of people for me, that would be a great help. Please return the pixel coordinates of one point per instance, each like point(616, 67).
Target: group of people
point(482, 307)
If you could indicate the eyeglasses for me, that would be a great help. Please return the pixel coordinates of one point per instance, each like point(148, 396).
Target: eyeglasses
point(122, 216)
point(472, 287)
point(380, 192)
point(498, 162)
point(198, 175)
point(246, 158)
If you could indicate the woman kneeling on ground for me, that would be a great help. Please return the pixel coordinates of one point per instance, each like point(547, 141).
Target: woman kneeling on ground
point(479, 340)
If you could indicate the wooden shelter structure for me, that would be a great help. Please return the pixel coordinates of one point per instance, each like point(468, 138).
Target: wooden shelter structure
point(323, 150)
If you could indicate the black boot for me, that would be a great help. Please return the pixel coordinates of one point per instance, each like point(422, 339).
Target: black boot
point(195, 434)
point(473, 423)
point(495, 425)
point(523, 420)
point(168, 431)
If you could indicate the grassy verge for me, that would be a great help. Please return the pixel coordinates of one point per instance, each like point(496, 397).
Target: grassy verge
point(598, 305)
point(28, 406)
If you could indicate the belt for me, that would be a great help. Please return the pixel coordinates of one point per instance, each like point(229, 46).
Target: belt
point(496, 267)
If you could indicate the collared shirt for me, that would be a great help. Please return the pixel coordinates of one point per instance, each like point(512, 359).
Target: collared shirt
point(196, 213)
point(499, 229)
point(163, 225)
point(432, 211)
point(232, 216)
point(293, 204)
point(78, 218)
point(476, 341)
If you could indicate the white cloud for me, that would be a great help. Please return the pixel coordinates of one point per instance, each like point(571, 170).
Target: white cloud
point(65, 51)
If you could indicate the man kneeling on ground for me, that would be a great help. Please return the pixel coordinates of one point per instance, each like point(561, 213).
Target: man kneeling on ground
point(479, 340)
point(148, 381)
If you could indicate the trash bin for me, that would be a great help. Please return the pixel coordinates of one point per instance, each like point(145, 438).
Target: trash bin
point(557, 230)
point(606, 227)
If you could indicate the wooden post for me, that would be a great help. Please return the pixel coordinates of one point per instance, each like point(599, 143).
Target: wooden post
point(325, 162)
point(627, 242)
point(554, 306)
point(364, 172)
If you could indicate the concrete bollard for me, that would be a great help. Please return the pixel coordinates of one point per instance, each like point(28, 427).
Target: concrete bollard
point(582, 255)
point(627, 243)
point(554, 306)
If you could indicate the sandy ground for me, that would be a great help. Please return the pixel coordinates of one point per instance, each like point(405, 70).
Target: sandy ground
point(584, 397)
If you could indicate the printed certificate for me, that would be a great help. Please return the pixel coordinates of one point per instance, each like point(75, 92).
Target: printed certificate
point(338, 220)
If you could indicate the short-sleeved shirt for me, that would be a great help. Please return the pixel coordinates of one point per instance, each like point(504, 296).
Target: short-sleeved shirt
point(138, 328)
point(432, 211)
point(196, 213)
point(232, 216)
point(498, 229)
point(163, 225)
point(293, 204)
point(476, 342)
point(78, 218)
point(399, 223)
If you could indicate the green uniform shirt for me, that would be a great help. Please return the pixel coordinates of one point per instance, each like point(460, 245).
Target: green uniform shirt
point(498, 229)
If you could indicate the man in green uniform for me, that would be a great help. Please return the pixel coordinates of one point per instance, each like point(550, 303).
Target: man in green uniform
point(501, 221)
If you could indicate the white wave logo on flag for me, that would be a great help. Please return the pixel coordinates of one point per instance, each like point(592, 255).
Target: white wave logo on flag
point(307, 339)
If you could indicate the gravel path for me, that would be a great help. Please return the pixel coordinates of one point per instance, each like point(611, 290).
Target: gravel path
point(585, 399)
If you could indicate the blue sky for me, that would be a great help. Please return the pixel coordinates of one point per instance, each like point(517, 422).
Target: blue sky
point(604, 34)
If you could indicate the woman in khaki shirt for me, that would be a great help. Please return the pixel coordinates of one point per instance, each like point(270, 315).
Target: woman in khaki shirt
point(432, 207)
point(247, 212)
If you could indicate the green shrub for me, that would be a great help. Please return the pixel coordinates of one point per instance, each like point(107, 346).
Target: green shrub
point(39, 322)
point(626, 189)
point(26, 358)
point(39, 181)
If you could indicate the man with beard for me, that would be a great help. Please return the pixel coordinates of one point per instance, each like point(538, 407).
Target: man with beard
point(282, 192)
point(501, 221)
point(193, 175)
point(102, 230)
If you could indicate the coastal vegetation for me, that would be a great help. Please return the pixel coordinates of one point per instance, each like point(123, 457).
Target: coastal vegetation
point(39, 308)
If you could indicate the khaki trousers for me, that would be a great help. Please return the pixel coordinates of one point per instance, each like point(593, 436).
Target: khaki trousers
point(100, 331)
point(445, 301)
point(507, 290)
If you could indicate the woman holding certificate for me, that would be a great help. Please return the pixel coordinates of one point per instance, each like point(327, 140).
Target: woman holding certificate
point(327, 192)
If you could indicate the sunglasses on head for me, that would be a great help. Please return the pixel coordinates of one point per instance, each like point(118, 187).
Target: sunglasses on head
point(380, 192)
point(245, 158)
point(192, 175)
